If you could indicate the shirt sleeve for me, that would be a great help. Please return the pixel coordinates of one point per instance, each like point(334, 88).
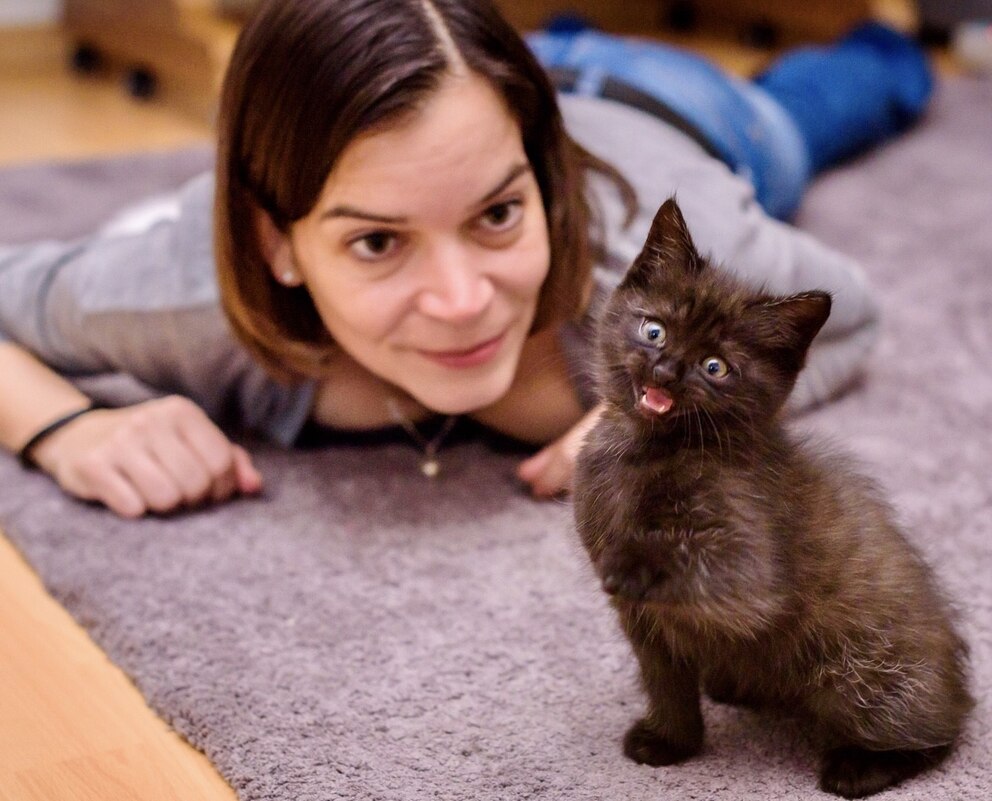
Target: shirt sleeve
point(140, 298)
point(729, 226)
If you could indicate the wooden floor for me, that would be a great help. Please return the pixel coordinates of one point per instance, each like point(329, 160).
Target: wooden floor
point(50, 113)
point(72, 726)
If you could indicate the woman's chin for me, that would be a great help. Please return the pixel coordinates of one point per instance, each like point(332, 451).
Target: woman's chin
point(459, 406)
point(458, 400)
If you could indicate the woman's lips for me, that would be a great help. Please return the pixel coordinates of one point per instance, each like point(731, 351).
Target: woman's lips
point(472, 357)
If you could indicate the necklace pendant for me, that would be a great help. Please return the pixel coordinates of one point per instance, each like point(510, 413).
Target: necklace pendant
point(430, 466)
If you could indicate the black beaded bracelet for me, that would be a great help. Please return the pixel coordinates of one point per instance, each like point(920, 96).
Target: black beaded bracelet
point(24, 454)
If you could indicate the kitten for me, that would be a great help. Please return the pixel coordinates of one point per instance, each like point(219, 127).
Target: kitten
point(740, 560)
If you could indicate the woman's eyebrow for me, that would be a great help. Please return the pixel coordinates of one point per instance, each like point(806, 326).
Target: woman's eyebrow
point(351, 211)
point(515, 172)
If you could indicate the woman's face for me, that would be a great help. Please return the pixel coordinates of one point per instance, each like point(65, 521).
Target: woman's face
point(427, 249)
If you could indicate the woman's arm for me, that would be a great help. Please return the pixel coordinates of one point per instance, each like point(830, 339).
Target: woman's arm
point(155, 456)
point(542, 407)
point(135, 307)
point(31, 396)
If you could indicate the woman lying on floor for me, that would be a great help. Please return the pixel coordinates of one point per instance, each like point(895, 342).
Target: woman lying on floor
point(406, 222)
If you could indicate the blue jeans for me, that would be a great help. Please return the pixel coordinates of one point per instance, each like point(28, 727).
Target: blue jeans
point(809, 110)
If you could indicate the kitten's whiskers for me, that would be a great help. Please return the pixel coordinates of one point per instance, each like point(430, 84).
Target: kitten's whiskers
point(702, 440)
point(719, 438)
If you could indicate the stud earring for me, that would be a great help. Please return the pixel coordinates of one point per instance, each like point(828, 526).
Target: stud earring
point(288, 278)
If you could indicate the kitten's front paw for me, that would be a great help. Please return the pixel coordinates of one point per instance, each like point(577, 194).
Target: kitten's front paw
point(630, 575)
point(854, 772)
point(646, 746)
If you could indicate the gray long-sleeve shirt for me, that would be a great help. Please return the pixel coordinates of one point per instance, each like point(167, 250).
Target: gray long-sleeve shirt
point(140, 297)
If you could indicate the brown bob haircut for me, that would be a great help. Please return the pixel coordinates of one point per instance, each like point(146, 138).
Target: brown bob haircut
point(309, 76)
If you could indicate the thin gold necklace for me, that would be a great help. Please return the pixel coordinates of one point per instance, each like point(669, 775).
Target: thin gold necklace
point(429, 466)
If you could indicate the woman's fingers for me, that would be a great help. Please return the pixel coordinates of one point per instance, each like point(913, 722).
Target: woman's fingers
point(248, 478)
point(550, 471)
point(157, 456)
point(181, 465)
point(216, 454)
point(157, 488)
point(229, 466)
point(179, 456)
point(114, 491)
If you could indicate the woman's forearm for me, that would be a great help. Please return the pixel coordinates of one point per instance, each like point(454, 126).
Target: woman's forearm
point(32, 395)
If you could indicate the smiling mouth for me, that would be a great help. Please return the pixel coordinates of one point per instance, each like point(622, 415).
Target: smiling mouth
point(470, 357)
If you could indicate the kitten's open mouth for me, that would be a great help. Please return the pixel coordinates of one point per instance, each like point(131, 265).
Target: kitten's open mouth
point(655, 400)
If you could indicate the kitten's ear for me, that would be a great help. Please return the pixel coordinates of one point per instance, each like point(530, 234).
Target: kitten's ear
point(668, 246)
point(789, 324)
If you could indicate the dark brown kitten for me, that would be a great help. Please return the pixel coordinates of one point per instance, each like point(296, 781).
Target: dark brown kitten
point(740, 560)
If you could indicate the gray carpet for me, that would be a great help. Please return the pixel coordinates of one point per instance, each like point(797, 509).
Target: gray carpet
point(360, 633)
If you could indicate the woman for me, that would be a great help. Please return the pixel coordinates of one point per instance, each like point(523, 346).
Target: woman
point(401, 229)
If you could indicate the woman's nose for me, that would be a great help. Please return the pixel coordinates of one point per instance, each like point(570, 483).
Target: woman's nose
point(455, 289)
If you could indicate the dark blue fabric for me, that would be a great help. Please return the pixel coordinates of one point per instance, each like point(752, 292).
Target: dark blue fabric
point(812, 108)
point(751, 134)
point(870, 85)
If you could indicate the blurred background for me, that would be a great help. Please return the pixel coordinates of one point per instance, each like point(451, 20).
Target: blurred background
point(83, 78)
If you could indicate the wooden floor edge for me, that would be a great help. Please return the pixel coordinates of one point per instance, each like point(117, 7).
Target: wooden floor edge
point(110, 746)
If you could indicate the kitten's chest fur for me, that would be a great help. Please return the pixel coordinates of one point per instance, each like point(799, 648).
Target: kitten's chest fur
point(677, 491)
point(714, 518)
point(733, 539)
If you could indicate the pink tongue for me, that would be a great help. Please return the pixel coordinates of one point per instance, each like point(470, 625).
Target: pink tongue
point(656, 400)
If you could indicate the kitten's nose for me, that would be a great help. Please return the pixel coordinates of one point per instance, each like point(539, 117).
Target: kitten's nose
point(664, 373)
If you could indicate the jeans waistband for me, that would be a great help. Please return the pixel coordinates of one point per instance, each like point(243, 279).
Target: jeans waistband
point(566, 79)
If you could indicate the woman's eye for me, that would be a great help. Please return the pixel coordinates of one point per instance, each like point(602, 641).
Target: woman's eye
point(376, 245)
point(715, 367)
point(501, 216)
point(653, 332)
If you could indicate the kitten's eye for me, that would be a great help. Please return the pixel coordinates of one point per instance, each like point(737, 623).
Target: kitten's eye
point(653, 332)
point(715, 367)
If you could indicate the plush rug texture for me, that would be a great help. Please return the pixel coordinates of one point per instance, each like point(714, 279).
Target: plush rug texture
point(361, 632)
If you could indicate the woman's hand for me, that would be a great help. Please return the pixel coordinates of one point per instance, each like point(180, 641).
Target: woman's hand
point(549, 472)
point(155, 456)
